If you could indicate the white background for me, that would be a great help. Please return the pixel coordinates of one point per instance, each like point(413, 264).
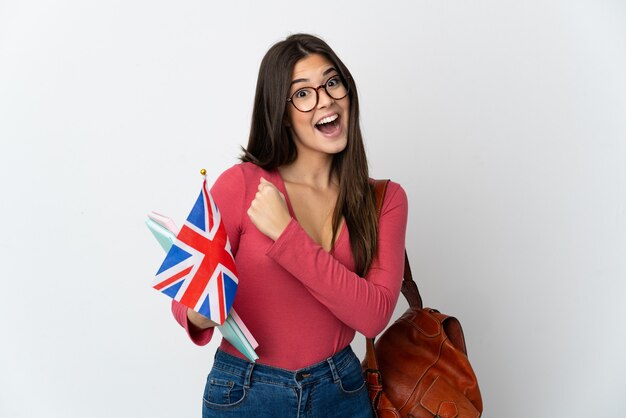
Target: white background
point(504, 121)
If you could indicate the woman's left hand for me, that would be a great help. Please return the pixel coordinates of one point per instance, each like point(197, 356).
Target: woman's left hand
point(268, 211)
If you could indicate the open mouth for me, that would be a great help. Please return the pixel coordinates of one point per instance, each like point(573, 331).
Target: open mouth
point(329, 125)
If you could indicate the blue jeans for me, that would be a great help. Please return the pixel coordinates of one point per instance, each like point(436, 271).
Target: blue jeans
point(333, 388)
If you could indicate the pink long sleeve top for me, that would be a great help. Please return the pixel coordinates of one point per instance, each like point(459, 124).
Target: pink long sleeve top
point(301, 303)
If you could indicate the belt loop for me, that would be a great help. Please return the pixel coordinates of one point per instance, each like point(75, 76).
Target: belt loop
point(333, 369)
point(248, 376)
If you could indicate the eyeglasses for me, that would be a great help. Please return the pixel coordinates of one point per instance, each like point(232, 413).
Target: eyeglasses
point(306, 98)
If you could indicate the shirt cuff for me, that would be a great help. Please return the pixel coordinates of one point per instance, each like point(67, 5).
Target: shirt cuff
point(283, 239)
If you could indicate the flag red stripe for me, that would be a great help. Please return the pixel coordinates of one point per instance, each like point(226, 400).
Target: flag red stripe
point(208, 207)
point(172, 279)
point(214, 254)
point(220, 293)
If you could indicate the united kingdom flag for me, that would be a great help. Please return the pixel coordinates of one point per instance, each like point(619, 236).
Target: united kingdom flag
point(199, 269)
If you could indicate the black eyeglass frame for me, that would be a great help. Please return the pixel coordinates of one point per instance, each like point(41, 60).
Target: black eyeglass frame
point(317, 94)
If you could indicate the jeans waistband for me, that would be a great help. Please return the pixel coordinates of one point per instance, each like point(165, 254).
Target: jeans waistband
point(251, 372)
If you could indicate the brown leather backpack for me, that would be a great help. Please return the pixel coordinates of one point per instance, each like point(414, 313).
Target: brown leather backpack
point(418, 367)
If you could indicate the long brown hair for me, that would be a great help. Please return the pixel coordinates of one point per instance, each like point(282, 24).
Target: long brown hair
point(270, 144)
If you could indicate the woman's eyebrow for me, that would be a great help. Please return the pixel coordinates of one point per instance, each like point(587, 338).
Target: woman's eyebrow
point(302, 80)
point(330, 70)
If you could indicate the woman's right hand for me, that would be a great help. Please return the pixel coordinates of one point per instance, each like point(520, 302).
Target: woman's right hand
point(268, 210)
point(199, 321)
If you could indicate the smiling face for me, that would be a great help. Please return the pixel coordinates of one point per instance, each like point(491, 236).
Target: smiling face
point(323, 130)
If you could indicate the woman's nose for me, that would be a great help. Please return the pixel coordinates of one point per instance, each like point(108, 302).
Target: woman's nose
point(323, 98)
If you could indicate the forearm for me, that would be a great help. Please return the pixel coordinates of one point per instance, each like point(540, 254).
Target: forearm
point(364, 304)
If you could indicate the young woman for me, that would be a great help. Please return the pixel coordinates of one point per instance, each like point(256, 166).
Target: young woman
point(315, 263)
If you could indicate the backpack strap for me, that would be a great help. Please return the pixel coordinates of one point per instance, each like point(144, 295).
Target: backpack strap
point(409, 288)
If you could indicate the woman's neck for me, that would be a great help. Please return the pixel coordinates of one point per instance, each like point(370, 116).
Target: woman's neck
point(313, 173)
